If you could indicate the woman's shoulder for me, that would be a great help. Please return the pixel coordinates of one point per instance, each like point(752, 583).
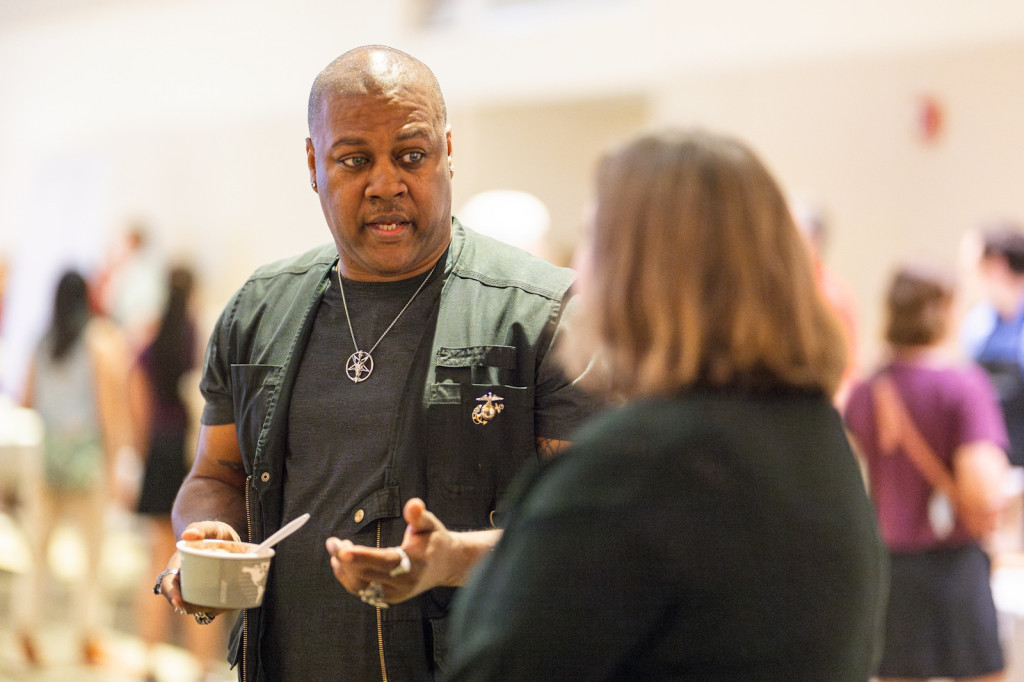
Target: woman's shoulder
point(697, 413)
point(952, 387)
point(634, 426)
point(953, 376)
point(939, 373)
point(647, 439)
point(616, 451)
point(661, 454)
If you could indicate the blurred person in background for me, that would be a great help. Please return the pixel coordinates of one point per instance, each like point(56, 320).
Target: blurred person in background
point(163, 428)
point(410, 358)
point(514, 217)
point(811, 220)
point(993, 330)
point(4, 268)
point(77, 381)
point(933, 442)
point(715, 526)
point(130, 288)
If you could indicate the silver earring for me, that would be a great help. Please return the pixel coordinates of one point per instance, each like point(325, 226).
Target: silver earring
point(313, 184)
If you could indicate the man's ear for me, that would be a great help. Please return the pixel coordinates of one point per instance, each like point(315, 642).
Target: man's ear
point(311, 162)
point(448, 140)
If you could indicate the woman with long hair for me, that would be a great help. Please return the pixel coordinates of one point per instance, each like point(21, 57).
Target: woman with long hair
point(162, 413)
point(714, 525)
point(76, 380)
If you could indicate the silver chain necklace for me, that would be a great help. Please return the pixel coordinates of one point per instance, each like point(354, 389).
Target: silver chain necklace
point(360, 364)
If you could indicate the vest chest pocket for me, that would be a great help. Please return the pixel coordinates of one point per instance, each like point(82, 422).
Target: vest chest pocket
point(480, 430)
point(254, 390)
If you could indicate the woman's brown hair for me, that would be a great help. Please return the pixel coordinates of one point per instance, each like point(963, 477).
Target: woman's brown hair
point(699, 277)
point(918, 305)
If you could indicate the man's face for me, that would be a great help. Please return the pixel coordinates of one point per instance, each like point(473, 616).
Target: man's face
point(381, 166)
point(995, 278)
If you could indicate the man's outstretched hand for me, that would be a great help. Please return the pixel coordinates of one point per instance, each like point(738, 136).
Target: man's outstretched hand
point(436, 557)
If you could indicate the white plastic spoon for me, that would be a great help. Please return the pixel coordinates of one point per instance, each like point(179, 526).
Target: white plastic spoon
point(283, 532)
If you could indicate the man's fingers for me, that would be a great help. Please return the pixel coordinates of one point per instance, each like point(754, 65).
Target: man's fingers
point(404, 564)
point(413, 511)
point(170, 588)
point(418, 518)
point(336, 546)
point(216, 530)
point(192, 533)
point(358, 561)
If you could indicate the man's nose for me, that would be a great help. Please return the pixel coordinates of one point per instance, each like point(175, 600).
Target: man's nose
point(385, 181)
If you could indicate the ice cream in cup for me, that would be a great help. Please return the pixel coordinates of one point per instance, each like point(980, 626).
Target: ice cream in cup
point(223, 574)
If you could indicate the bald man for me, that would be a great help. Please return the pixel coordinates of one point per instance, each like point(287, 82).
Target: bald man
point(407, 365)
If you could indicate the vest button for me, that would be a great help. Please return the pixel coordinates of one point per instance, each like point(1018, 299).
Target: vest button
point(265, 476)
point(359, 516)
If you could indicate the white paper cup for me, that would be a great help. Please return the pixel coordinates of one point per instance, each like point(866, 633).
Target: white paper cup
point(220, 574)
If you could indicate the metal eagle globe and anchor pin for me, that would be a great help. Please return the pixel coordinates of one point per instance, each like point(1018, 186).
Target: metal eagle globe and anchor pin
point(492, 406)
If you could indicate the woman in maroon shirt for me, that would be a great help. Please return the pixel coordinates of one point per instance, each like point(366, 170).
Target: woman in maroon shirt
point(941, 620)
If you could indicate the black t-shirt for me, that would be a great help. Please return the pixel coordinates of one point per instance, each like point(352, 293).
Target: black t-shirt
point(337, 453)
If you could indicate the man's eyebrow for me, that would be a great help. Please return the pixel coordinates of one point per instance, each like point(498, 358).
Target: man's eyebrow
point(404, 135)
point(415, 131)
point(348, 142)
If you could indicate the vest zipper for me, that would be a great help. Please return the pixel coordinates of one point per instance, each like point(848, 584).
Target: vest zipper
point(380, 627)
point(245, 612)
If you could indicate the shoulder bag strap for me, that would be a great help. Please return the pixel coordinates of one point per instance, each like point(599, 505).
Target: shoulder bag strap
point(896, 427)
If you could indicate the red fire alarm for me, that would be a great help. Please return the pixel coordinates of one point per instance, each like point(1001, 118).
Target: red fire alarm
point(930, 118)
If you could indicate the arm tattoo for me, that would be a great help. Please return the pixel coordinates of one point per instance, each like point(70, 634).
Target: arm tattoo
point(547, 448)
point(233, 466)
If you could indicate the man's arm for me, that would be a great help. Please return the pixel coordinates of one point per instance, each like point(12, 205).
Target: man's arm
point(210, 503)
point(214, 489)
point(108, 352)
point(549, 448)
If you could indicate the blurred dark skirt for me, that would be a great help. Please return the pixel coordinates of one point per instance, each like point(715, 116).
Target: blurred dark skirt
point(163, 474)
point(941, 620)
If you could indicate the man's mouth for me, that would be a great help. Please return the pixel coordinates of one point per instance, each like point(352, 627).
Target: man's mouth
point(388, 226)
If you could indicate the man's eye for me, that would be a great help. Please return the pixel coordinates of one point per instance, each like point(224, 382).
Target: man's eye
point(413, 157)
point(354, 161)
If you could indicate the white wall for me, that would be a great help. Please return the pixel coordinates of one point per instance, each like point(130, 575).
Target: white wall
point(191, 115)
point(545, 148)
point(845, 131)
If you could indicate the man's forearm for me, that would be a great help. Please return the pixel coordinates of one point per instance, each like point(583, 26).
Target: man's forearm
point(209, 499)
point(469, 548)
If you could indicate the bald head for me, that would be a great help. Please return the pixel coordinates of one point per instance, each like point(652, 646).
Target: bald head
point(375, 70)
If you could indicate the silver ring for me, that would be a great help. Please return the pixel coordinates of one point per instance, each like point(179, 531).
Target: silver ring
point(374, 595)
point(158, 588)
point(203, 618)
point(404, 565)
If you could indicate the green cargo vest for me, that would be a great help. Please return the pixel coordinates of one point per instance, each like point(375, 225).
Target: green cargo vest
point(497, 315)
